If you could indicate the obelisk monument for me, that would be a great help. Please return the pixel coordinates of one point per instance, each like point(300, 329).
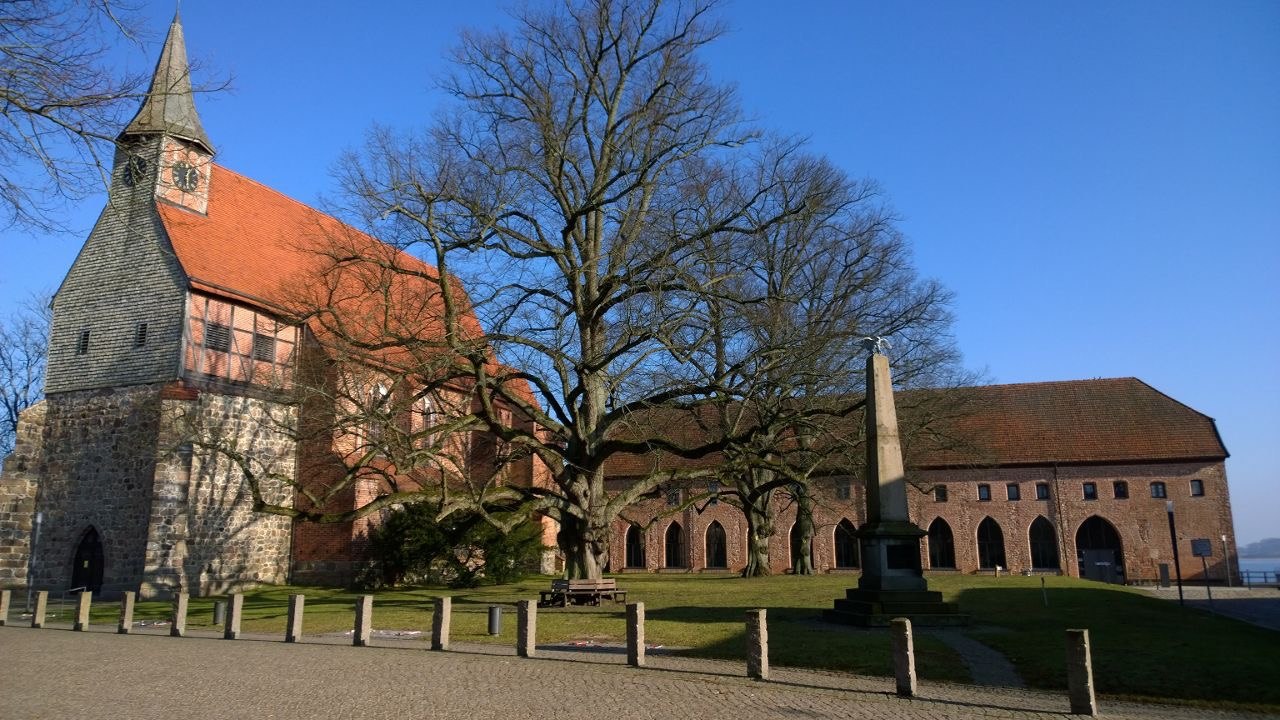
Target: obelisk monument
point(892, 582)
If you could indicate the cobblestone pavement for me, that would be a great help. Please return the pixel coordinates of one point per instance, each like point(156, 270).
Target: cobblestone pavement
point(55, 673)
point(1260, 606)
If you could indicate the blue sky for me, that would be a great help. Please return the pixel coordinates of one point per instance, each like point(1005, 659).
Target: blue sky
point(1098, 182)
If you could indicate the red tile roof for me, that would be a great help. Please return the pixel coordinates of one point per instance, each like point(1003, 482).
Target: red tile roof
point(1121, 420)
point(270, 251)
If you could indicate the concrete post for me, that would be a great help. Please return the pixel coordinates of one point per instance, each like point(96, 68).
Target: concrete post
point(635, 634)
point(42, 605)
point(293, 627)
point(904, 657)
point(526, 628)
point(757, 645)
point(441, 619)
point(234, 609)
point(1080, 674)
point(364, 621)
point(126, 612)
point(179, 626)
point(83, 601)
point(5, 596)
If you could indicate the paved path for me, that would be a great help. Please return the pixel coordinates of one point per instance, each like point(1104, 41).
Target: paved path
point(986, 665)
point(1260, 606)
point(55, 673)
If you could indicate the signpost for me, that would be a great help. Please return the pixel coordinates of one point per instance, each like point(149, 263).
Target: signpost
point(1203, 549)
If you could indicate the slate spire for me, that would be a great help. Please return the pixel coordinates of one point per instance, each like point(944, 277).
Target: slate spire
point(170, 107)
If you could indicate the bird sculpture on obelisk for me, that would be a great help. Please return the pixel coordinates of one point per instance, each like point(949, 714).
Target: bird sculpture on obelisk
point(892, 582)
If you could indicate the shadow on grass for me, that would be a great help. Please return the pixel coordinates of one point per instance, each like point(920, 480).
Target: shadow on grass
point(1142, 646)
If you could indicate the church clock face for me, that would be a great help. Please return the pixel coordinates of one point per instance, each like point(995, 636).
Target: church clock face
point(135, 170)
point(185, 176)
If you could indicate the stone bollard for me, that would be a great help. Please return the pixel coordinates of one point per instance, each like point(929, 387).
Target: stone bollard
point(125, 625)
point(904, 657)
point(83, 601)
point(1080, 674)
point(757, 645)
point(293, 626)
point(635, 634)
point(364, 622)
point(235, 608)
point(526, 628)
point(42, 605)
point(179, 626)
point(440, 621)
point(5, 596)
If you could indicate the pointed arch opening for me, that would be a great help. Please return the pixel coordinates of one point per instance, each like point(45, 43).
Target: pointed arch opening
point(1099, 551)
point(846, 542)
point(716, 546)
point(990, 545)
point(794, 543)
point(674, 546)
point(1044, 545)
point(89, 562)
point(634, 547)
point(942, 546)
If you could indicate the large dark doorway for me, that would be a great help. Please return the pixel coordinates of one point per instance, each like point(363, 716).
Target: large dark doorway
point(717, 554)
point(86, 572)
point(675, 546)
point(1044, 545)
point(635, 547)
point(846, 545)
point(942, 546)
point(1099, 551)
point(990, 545)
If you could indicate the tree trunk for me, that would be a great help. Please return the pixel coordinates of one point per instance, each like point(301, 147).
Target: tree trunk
point(759, 531)
point(585, 547)
point(802, 552)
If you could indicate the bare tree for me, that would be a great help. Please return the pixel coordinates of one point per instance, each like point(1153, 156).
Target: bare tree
point(610, 213)
point(24, 338)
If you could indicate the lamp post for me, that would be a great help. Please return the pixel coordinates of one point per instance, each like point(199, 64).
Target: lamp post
point(1173, 538)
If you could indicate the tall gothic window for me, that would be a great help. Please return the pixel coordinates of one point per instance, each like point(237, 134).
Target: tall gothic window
point(846, 545)
point(942, 546)
point(635, 547)
point(990, 545)
point(675, 546)
point(717, 553)
point(1044, 544)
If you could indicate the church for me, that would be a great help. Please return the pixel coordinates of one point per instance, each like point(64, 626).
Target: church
point(180, 321)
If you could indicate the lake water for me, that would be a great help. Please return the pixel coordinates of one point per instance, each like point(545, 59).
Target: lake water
point(1260, 564)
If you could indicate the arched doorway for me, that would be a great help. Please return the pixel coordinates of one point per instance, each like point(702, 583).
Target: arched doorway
point(717, 554)
point(990, 545)
point(1099, 551)
point(942, 546)
point(635, 547)
point(846, 545)
point(86, 570)
point(1044, 545)
point(675, 546)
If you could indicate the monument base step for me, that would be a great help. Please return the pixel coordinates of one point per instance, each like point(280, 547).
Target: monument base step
point(909, 596)
point(943, 619)
point(896, 609)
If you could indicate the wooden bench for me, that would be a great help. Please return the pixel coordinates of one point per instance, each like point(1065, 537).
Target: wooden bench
point(581, 592)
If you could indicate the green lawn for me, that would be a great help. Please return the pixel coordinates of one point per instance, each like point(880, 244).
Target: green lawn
point(1142, 647)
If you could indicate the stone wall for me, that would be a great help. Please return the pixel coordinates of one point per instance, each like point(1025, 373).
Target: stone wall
point(18, 498)
point(204, 536)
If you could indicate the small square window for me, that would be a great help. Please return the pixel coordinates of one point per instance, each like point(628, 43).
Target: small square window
point(1120, 489)
point(844, 489)
point(1091, 491)
point(673, 497)
point(1157, 490)
point(939, 493)
point(217, 337)
point(1197, 488)
point(140, 335)
point(82, 345)
point(984, 493)
point(1013, 492)
point(264, 348)
point(1042, 491)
